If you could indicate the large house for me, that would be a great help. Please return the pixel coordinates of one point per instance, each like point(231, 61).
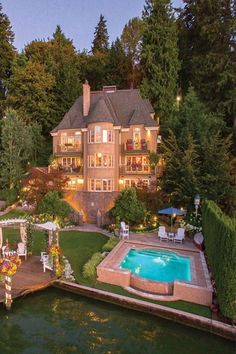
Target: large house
point(102, 144)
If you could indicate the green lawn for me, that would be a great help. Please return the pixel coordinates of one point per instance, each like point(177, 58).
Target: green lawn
point(14, 214)
point(78, 247)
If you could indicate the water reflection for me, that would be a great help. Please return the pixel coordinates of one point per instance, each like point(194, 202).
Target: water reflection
point(56, 322)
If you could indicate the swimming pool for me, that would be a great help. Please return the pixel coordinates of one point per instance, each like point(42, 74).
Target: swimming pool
point(157, 265)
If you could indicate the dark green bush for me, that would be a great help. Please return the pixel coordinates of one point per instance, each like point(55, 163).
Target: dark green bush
point(110, 244)
point(219, 232)
point(89, 268)
point(9, 195)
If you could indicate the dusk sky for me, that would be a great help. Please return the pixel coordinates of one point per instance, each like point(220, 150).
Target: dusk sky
point(37, 19)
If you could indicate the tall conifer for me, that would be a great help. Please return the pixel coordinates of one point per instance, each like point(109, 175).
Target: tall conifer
point(159, 58)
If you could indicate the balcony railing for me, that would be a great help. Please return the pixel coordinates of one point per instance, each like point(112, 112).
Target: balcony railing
point(71, 169)
point(136, 169)
point(68, 148)
point(132, 146)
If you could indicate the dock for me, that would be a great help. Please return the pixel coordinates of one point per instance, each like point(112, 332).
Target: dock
point(29, 278)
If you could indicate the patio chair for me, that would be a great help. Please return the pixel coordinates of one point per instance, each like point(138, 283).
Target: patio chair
point(22, 250)
point(180, 235)
point(162, 234)
point(124, 230)
point(47, 262)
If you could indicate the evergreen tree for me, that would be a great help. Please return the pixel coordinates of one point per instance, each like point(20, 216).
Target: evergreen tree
point(180, 176)
point(100, 42)
point(16, 141)
point(7, 54)
point(208, 168)
point(208, 53)
point(59, 59)
point(118, 66)
point(159, 58)
point(131, 40)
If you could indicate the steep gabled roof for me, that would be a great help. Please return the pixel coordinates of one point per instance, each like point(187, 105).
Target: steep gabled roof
point(121, 107)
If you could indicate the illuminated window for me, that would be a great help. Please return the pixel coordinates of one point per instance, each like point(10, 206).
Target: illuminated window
point(100, 185)
point(98, 134)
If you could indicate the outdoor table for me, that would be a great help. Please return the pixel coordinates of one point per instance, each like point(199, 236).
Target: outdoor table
point(171, 236)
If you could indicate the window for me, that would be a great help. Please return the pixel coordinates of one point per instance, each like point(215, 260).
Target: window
point(138, 182)
point(91, 161)
point(137, 164)
point(100, 160)
point(100, 185)
point(107, 136)
point(99, 135)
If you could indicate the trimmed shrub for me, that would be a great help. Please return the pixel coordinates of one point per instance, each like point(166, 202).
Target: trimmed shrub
point(110, 244)
point(220, 241)
point(89, 268)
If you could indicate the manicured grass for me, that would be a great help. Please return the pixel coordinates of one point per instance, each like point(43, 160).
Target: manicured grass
point(179, 305)
point(15, 214)
point(78, 248)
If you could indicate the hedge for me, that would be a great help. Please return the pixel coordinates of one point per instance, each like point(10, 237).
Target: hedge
point(110, 244)
point(89, 269)
point(219, 232)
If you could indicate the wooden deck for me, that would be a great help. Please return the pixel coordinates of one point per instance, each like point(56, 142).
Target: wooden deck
point(29, 278)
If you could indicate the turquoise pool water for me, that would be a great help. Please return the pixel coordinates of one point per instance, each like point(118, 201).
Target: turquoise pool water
point(157, 265)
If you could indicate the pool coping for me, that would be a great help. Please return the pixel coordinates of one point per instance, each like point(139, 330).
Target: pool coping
point(199, 288)
point(185, 318)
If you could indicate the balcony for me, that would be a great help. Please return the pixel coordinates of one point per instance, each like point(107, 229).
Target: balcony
point(76, 170)
point(67, 149)
point(136, 147)
point(136, 169)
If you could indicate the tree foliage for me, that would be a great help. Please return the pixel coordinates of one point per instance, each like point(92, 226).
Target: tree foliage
point(54, 207)
point(159, 58)
point(131, 41)
point(208, 52)
point(16, 141)
point(7, 53)
point(100, 42)
point(39, 182)
point(128, 208)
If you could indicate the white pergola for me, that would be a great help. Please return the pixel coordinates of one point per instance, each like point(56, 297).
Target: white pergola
point(22, 223)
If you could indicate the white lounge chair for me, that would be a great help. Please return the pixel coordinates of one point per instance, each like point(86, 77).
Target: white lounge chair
point(22, 250)
point(124, 230)
point(162, 234)
point(180, 235)
point(47, 262)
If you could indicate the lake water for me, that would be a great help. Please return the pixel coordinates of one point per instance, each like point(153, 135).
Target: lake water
point(53, 321)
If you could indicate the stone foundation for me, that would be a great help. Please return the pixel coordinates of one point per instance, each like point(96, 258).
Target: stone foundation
point(90, 202)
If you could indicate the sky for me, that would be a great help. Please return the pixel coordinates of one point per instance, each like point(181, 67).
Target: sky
point(37, 19)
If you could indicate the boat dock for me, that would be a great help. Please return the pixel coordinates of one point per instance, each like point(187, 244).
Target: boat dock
point(29, 278)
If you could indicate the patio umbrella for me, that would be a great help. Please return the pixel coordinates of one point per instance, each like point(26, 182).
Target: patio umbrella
point(172, 211)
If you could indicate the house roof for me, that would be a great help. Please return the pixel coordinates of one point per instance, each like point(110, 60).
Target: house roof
point(121, 107)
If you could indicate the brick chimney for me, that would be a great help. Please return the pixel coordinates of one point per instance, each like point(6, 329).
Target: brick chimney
point(86, 98)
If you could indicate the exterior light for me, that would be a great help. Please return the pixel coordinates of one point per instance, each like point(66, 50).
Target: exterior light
point(197, 200)
point(141, 226)
point(99, 155)
point(178, 98)
point(121, 181)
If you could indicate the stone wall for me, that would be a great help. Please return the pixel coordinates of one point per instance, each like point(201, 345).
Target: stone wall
point(90, 202)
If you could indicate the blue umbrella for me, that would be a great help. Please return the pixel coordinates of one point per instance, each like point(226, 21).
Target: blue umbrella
point(171, 211)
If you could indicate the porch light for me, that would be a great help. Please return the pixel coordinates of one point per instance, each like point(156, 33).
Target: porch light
point(121, 181)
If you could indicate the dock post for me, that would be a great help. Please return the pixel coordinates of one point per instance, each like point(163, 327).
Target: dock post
point(8, 298)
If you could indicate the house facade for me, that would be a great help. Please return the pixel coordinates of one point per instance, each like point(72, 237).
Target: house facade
point(102, 144)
